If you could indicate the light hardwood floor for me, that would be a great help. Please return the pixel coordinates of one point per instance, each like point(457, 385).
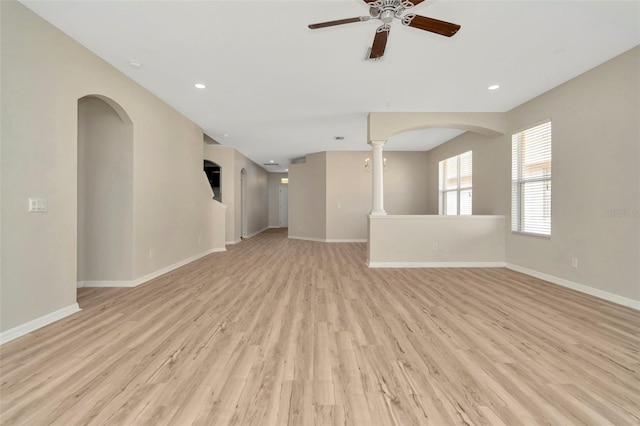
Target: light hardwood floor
point(279, 331)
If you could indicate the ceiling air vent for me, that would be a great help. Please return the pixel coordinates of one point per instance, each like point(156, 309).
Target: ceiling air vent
point(270, 164)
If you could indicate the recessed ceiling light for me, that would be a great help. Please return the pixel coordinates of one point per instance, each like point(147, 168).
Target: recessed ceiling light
point(271, 161)
point(226, 135)
point(134, 63)
point(200, 86)
point(494, 87)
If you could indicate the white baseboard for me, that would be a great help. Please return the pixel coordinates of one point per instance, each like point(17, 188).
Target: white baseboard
point(176, 265)
point(255, 233)
point(21, 330)
point(436, 264)
point(620, 300)
point(325, 240)
point(148, 277)
point(103, 284)
point(317, 240)
point(231, 242)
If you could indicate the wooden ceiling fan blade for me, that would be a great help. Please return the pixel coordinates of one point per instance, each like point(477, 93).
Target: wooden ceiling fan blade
point(379, 43)
point(339, 22)
point(437, 26)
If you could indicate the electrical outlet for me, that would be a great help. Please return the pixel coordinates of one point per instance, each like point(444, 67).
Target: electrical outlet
point(435, 246)
point(574, 262)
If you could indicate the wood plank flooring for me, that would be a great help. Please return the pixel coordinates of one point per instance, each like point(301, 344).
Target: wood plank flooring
point(287, 332)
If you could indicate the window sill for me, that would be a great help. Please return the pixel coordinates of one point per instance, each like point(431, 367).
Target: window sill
point(531, 234)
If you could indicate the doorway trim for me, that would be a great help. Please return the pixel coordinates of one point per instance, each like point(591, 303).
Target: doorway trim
point(243, 204)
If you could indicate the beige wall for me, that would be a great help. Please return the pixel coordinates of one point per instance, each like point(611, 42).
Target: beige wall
point(348, 195)
point(341, 178)
point(256, 197)
point(596, 173)
point(308, 198)
point(218, 213)
point(225, 158)
point(105, 197)
point(491, 163)
point(349, 188)
point(274, 198)
point(257, 209)
point(595, 166)
point(436, 241)
point(405, 182)
point(43, 74)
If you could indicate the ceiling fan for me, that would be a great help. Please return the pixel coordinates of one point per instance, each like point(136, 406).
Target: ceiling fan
point(388, 10)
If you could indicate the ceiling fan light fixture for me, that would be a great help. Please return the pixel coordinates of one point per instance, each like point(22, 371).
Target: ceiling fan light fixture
point(387, 16)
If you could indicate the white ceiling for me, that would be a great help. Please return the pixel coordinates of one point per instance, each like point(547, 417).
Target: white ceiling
point(280, 90)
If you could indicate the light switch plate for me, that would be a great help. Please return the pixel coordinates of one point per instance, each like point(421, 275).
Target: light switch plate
point(37, 205)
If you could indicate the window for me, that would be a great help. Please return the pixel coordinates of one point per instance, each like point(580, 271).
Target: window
point(531, 180)
point(456, 184)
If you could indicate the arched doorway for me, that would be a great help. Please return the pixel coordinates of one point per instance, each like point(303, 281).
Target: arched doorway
point(105, 193)
point(214, 175)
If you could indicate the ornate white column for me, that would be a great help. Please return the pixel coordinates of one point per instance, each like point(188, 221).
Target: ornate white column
point(378, 192)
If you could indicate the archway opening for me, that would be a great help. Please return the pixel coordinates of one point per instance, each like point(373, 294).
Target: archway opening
point(105, 193)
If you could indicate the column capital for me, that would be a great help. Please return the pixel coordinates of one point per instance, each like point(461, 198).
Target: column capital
point(377, 143)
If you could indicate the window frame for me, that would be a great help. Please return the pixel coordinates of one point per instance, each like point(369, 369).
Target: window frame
point(518, 182)
point(443, 191)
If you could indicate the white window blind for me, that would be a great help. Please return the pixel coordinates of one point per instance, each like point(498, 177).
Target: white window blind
point(531, 180)
point(456, 184)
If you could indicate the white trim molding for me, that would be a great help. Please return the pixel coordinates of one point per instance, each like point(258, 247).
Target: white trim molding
point(255, 233)
point(33, 325)
point(436, 264)
point(601, 294)
point(105, 284)
point(148, 277)
point(88, 284)
point(176, 265)
point(317, 240)
point(328, 240)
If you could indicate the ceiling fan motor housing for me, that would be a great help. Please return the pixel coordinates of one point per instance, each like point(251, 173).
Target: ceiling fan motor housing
point(386, 10)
